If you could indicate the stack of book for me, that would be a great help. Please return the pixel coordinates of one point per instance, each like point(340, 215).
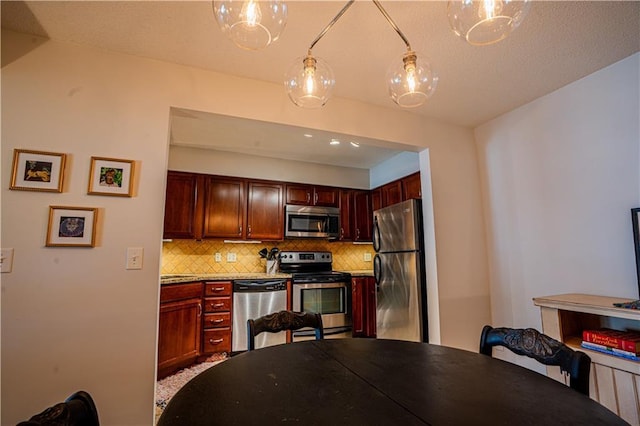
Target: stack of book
point(625, 344)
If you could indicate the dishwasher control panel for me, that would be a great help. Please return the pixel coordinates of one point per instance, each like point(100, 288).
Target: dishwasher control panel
point(257, 286)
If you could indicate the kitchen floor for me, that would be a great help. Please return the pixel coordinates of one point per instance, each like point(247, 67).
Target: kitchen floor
point(167, 387)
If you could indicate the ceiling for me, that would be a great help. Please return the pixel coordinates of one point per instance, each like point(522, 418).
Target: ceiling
point(558, 43)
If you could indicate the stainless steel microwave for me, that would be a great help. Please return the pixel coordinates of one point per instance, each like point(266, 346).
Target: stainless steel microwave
point(311, 222)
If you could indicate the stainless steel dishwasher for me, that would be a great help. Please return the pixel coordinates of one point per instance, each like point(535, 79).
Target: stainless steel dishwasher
point(253, 299)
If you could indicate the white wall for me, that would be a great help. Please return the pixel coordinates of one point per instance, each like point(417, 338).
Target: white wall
point(252, 166)
point(75, 318)
point(560, 176)
point(394, 168)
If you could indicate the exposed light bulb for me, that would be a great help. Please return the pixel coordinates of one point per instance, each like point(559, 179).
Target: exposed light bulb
point(309, 85)
point(251, 14)
point(490, 9)
point(310, 75)
point(413, 83)
point(410, 68)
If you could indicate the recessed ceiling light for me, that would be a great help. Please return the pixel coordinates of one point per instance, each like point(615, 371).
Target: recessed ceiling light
point(307, 135)
point(334, 142)
point(355, 144)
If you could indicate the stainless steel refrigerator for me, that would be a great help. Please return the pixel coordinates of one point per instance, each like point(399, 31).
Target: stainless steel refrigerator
point(401, 293)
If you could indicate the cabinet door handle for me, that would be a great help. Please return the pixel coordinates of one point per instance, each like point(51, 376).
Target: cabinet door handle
point(217, 305)
point(240, 230)
point(217, 289)
point(215, 342)
point(308, 197)
point(315, 198)
point(216, 321)
point(199, 310)
point(248, 230)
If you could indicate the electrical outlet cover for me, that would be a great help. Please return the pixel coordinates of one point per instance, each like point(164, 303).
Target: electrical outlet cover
point(6, 259)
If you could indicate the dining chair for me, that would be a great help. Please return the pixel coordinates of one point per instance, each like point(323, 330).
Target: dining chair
point(544, 349)
point(283, 320)
point(77, 410)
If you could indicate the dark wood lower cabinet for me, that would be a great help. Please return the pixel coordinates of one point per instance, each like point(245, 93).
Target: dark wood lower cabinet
point(363, 292)
point(179, 327)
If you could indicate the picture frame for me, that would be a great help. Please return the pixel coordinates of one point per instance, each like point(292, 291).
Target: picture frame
point(37, 170)
point(635, 221)
point(111, 176)
point(71, 226)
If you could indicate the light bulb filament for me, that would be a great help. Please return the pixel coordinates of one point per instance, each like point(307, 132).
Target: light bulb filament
point(309, 74)
point(490, 9)
point(409, 60)
point(251, 13)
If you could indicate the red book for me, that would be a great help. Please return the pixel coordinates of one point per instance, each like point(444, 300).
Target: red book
point(626, 340)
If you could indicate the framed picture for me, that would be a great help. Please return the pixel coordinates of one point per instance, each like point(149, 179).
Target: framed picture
point(37, 170)
point(71, 226)
point(635, 220)
point(111, 176)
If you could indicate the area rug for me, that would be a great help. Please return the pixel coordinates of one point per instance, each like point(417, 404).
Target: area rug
point(168, 386)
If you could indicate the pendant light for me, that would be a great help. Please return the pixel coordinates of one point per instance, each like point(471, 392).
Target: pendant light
point(309, 80)
point(251, 24)
point(482, 22)
point(411, 80)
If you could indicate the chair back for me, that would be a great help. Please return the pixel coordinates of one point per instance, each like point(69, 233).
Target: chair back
point(77, 410)
point(283, 320)
point(542, 348)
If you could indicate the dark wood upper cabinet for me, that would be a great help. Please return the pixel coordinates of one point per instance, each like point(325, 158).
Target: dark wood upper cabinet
point(265, 211)
point(391, 193)
point(207, 206)
point(362, 216)
point(224, 207)
point(183, 206)
point(310, 195)
point(346, 214)
point(376, 199)
point(411, 187)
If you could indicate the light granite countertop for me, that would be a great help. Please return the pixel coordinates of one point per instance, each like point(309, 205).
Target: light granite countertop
point(185, 278)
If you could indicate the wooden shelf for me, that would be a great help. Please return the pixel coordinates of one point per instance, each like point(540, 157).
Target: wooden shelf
point(614, 381)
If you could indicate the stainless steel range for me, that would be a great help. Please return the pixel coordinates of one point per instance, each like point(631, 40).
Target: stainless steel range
point(317, 288)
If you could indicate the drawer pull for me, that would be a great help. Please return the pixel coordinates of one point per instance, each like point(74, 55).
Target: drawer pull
point(215, 342)
point(216, 321)
point(217, 289)
point(217, 305)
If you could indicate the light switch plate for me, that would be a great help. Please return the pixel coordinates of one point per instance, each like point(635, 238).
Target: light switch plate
point(367, 257)
point(218, 257)
point(134, 257)
point(6, 259)
point(231, 257)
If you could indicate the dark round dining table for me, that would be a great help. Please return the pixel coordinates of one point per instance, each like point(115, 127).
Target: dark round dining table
point(376, 382)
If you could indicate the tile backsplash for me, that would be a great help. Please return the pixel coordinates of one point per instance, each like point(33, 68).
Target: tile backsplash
point(199, 257)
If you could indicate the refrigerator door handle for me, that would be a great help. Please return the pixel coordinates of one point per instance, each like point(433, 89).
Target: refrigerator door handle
point(377, 271)
point(375, 235)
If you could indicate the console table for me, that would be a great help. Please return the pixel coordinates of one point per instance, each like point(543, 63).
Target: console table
point(614, 381)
